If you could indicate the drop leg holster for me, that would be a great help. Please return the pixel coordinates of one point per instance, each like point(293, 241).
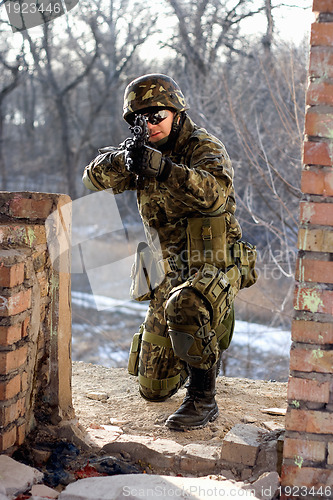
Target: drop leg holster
point(154, 389)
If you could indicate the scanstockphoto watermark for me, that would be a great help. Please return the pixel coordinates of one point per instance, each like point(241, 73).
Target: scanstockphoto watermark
point(25, 14)
point(194, 491)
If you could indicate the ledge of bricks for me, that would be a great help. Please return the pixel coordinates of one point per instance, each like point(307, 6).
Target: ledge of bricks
point(35, 331)
point(307, 455)
point(247, 452)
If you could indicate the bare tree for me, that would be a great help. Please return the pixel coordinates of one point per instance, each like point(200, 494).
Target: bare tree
point(12, 74)
point(46, 65)
point(206, 27)
point(78, 76)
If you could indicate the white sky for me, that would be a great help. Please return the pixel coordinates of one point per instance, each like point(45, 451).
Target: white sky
point(292, 24)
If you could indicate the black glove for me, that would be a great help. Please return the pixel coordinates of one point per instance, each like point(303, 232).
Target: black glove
point(133, 157)
point(148, 162)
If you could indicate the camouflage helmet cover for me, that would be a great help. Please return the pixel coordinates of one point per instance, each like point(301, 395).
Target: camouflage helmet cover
point(153, 90)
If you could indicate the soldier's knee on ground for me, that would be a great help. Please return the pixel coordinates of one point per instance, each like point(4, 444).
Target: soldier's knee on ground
point(156, 395)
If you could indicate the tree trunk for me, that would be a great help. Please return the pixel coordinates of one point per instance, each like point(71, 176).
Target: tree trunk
point(2, 156)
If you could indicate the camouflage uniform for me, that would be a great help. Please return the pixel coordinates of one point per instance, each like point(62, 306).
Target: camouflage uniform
point(200, 183)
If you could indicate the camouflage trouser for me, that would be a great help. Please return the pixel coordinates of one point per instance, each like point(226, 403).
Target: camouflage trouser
point(161, 372)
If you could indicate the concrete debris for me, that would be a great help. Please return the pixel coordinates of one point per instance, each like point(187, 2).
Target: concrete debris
point(248, 419)
point(152, 486)
point(42, 491)
point(273, 426)
point(17, 478)
point(103, 434)
point(241, 444)
point(98, 396)
point(274, 411)
point(202, 459)
point(266, 487)
point(157, 453)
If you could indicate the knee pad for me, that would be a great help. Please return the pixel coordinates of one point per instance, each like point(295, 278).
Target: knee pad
point(198, 347)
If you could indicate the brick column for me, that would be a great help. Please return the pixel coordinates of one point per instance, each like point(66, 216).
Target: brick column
point(35, 319)
point(308, 448)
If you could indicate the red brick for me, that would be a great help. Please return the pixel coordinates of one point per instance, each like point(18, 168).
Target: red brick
point(319, 124)
point(12, 360)
point(25, 327)
point(317, 153)
point(330, 453)
point(311, 421)
point(321, 62)
point(321, 34)
point(316, 213)
point(315, 240)
point(12, 275)
point(312, 332)
point(308, 390)
point(313, 299)
point(319, 93)
point(7, 439)
point(317, 181)
point(22, 235)
point(9, 414)
point(322, 6)
point(10, 388)
point(24, 382)
point(43, 283)
point(293, 475)
point(307, 449)
point(21, 207)
point(318, 271)
point(22, 406)
point(20, 434)
point(16, 303)
point(9, 334)
point(311, 360)
point(312, 182)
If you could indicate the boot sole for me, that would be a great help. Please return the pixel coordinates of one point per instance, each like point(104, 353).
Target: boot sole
point(177, 426)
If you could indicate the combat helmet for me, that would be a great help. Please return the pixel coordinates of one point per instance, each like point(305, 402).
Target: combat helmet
point(153, 90)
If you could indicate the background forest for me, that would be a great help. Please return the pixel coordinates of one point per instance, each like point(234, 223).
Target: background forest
point(61, 89)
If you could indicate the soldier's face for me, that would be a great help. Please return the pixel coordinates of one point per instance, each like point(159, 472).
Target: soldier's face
point(161, 130)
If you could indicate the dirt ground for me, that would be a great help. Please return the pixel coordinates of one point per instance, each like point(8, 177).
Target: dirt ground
point(110, 396)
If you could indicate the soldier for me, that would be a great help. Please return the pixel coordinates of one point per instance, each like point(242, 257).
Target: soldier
point(185, 192)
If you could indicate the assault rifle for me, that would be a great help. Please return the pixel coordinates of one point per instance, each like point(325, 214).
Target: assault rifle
point(140, 158)
point(136, 145)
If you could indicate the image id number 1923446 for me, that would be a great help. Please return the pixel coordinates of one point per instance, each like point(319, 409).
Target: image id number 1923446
point(306, 491)
point(19, 7)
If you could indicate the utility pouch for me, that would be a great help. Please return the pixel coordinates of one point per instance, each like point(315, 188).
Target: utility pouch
point(207, 242)
point(246, 254)
point(225, 330)
point(145, 274)
point(218, 288)
point(133, 358)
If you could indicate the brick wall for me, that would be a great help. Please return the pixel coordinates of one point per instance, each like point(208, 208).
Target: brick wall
point(35, 319)
point(308, 449)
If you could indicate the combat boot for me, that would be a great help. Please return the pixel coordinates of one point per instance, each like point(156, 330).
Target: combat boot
point(199, 406)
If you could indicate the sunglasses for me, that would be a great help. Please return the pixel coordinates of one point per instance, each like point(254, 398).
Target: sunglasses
point(156, 117)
